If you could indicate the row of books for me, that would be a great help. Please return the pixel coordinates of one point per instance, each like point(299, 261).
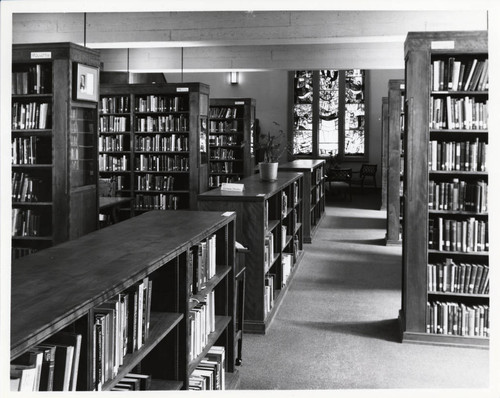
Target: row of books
point(458, 278)
point(156, 202)
point(223, 112)
point(284, 204)
point(458, 319)
point(161, 163)
point(24, 150)
point(112, 143)
point(287, 261)
point(162, 143)
point(150, 182)
point(25, 222)
point(222, 167)
point(458, 113)
point(201, 323)
point(268, 293)
point(120, 326)
point(224, 127)
point(319, 174)
point(30, 116)
point(18, 252)
point(202, 264)
point(170, 123)
point(268, 249)
point(118, 104)
point(221, 154)
point(458, 196)
point(216, 180)
point(466, 236)
point(160, 103)
point(50, 366)
point(113, 124)
point(210, 373)
point(458, 156)
point(133, 382)
point(36, 80)
point(113, 162)
point(459, 75)
point(25, 188)
point(222, 140)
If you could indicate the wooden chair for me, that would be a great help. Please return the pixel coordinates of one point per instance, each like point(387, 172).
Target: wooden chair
point(367, 170)
point(340, 178)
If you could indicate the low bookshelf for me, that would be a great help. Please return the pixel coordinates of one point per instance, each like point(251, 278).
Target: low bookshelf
point(151, 295)
point(269, 223)
point(313, 194)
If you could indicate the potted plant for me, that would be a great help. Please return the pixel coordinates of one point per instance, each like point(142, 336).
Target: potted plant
point(272, 147)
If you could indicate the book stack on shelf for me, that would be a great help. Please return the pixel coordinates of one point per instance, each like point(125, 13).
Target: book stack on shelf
point(147, 140)
point(210, 373)
point(231, 138)
point(270, 225)
point(445, 255)
point(54, 185)
point(139, 320)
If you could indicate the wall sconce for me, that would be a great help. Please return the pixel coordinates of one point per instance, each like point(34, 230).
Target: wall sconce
point(233, 77)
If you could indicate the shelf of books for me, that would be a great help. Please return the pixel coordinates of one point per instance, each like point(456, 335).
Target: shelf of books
point(153, 143)
point(384, 151)
point(54, 184)
point(156, 312)
point(313, 194)
point(231, 135)
point(445, 241)
point(395, 161)
point(269, 224)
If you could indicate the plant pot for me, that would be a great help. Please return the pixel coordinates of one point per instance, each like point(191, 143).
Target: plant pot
point(268, 171)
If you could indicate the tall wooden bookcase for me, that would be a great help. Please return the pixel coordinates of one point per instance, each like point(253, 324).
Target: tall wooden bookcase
point(54, 165)
point(395, 161)
point(231, 139)
point(313, 194)
point(385, 157)
point(432, 159)
point(51, 296)
point(153, 141)
point(269, 224)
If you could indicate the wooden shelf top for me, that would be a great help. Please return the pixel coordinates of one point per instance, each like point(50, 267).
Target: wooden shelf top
point(301, 164)
point(53, 287)
point(254, 188)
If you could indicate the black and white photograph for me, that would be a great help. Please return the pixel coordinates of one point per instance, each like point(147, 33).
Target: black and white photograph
point(292, 198)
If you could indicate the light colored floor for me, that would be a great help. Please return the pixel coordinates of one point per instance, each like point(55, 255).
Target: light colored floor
point(337, 327)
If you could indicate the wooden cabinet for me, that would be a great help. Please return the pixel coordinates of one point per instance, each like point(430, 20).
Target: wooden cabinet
point(269, 224)
point(445, 189)
point(63, 289)
point(153, 141)
point(231, 139)
point(313, 194)
point(54, 159)
point(395, 161)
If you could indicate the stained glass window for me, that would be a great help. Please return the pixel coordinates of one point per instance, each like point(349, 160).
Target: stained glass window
point(329, 113)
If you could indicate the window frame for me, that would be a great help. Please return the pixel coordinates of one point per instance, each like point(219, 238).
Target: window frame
point(315, 122)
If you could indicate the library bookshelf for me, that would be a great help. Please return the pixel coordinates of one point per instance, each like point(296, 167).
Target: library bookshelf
point(384, 151)
point(313, 194)
point(445, 237)
point(153, 142)
point(54, 159)
point(231, 140)
point(156, 267)
point(269, 224)
point(395, 161)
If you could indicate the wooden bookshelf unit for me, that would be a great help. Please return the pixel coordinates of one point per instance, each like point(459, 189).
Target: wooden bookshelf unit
point(384, 151)
point(153, 141)
point(269, 224)
point(445, 190)
point(231, 140)
point(54, 162)
point(394, 161)
point(63, 289)
point(313, 194)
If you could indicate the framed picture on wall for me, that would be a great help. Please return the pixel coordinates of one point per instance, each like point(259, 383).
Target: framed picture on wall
point(85, 83)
